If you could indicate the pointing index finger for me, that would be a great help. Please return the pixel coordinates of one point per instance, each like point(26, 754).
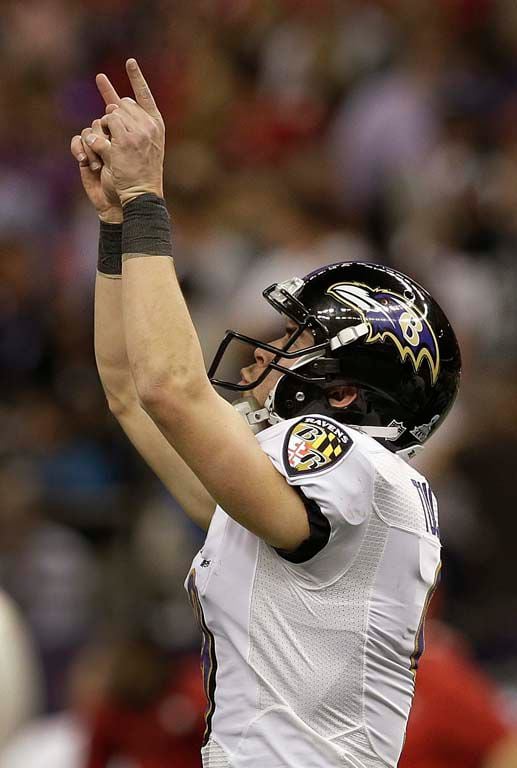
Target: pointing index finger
point(142, 92)
point(107, 90)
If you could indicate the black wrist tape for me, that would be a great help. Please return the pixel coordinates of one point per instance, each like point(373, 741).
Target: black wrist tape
point(110, 249)
point(147, 227)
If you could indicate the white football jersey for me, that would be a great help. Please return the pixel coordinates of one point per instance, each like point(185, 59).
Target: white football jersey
point(309, 657)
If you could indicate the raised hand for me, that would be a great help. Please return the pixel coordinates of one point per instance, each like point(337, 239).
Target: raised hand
point(96, 174)
point(136, 147)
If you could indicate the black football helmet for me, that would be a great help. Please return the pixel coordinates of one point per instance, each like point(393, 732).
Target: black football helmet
point(373, 328)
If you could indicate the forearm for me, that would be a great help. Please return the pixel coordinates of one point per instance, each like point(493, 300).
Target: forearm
point(162, 344)
point(110, 345)
point(121, 393)
point(117, 380)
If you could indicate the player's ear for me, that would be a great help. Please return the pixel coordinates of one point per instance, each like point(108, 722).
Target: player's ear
point(342, 396)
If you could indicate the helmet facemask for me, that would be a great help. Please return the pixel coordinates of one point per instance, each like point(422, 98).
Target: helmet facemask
point(311, 377)
point(281, 297)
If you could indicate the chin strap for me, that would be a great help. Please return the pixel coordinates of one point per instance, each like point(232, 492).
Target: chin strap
point(258, 418)
point(349, 335)
point(387, 433)
point(255, 417)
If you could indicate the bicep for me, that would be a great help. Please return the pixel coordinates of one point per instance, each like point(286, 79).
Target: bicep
point(218, 446)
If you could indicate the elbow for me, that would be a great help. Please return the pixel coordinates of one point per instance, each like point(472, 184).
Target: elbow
point(120, 395)
point(163, 397)
point(119, 389)
point(152, 397)
point(118, 407)
point(120, 403)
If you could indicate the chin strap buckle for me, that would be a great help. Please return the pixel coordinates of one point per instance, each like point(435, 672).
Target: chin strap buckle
point(348, 335)
point(254, 416)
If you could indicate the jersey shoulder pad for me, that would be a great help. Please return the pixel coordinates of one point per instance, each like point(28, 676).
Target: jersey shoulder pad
point(313, 445)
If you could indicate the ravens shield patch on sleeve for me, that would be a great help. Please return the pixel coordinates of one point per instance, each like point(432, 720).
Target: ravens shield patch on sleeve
point(314, 444)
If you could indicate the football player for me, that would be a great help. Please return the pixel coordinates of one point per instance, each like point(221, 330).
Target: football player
point(322, 545)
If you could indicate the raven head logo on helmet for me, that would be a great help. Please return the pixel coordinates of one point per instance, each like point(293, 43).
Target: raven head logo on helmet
point(393, 317)
point(373, 328)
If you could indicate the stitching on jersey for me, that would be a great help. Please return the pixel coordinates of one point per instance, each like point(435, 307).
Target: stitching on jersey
point(399, 527)
point(216, 559)
point(209, 759)
point(363, 697)
point(295, 571)
point(405, 528)
point(260, 543)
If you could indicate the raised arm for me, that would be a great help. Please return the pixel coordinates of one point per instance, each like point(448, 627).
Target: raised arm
point(110, 346)
point(162, 345)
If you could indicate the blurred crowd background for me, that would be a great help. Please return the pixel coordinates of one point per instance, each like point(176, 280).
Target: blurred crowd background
point(299, 133)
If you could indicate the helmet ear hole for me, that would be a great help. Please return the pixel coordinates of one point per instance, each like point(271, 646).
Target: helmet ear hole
point(342, 396)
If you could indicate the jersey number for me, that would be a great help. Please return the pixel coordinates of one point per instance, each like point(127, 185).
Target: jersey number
point(429, 506)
